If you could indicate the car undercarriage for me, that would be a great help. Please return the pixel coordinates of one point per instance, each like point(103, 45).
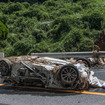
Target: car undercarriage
point(45, 72)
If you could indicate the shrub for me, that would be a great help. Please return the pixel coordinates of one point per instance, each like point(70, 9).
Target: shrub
point(26, 4)
point(35, 12)
point(9, 51)
point(61, 26)
point(38, 34)
point(50, 3)
point(4, 18)
point(24, 25)
point(40, 47)
point(12, 7)
point(12, 39)
point(86, 3)
point(46, 26)
point(3, 44)
point(72, 40)
point(86, 44)
point(94, 19)
point(3, 31)
point(22, 47)
point(76, 8)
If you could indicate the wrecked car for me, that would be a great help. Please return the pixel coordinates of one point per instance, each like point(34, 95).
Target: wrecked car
point(46, 72)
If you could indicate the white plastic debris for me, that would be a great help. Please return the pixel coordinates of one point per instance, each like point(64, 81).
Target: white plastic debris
point(103, 85)
point(82, 69)
point(93, 80)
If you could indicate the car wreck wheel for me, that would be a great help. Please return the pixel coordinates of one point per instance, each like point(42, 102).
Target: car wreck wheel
point(86, 62)
point(68, 74)
point(5, 67)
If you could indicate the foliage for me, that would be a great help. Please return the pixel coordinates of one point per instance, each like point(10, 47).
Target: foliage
point(50, 25)
point(40, 47)
point(94, 19)
point(12, 7)
point(3, 31)
point(86, 44)
point(22, 47)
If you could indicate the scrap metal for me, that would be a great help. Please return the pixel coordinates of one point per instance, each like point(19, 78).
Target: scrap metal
point(48, 72)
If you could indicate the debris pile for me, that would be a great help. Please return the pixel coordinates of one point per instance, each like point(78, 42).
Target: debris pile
point(100, 42)
point(99, 46)
point(87, 75)
point(48, 72)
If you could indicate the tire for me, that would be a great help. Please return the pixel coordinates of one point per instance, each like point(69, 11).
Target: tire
point(85, 61)
point(5, 67)
point(68, 75)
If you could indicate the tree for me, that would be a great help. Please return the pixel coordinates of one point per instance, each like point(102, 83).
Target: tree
point(3, 31)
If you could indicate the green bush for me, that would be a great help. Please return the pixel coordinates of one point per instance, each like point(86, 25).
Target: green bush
point(72, 40)
point(61, 26)
point(50, 3)
point(22, 47)
point(12, 7)
point(12, 39)
point(94, 19)
point(3, 44)
point(51, 26)
point(38, 34)
point(24, 25)
point(26, 4)
point(35, 12)
point(86, 44)
point(4, 18)
point(86, 3)
point(3, 31)
point(46, 26)
point(40, 47)
point(9, 51)
point(76, 8)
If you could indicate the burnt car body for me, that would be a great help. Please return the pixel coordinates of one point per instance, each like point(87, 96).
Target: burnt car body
point(44, 72)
